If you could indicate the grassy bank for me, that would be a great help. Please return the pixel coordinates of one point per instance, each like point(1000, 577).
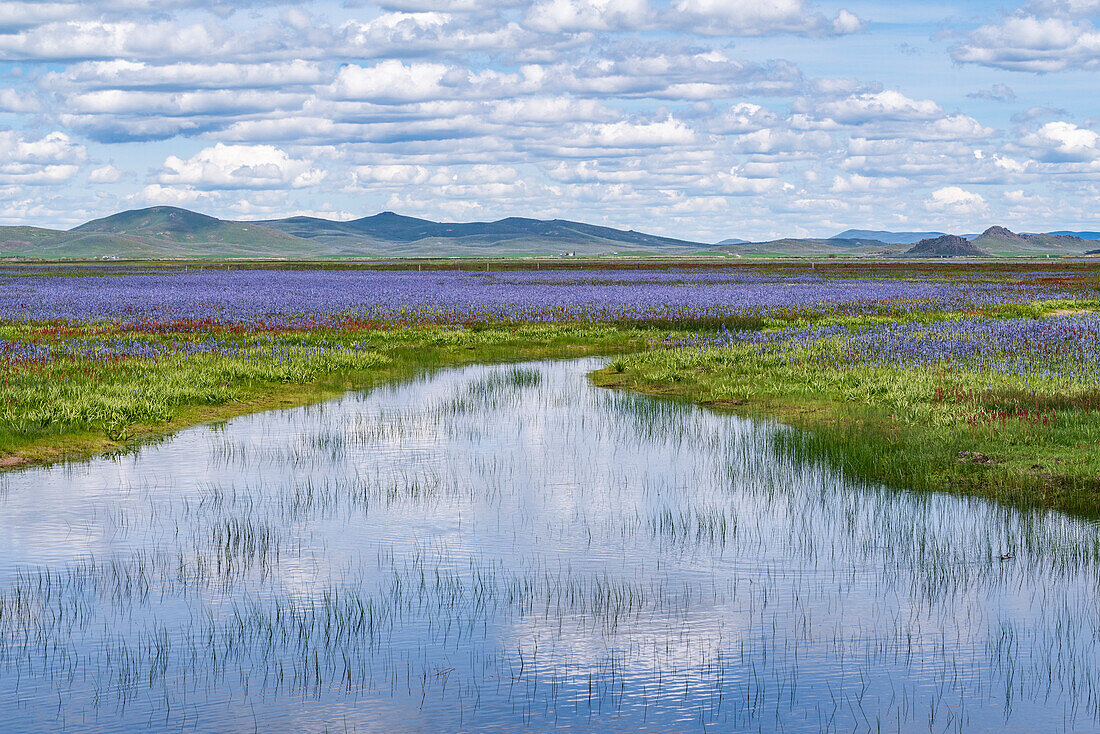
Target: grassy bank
point(87, 399)
point(981, 432)
point(1019, 438)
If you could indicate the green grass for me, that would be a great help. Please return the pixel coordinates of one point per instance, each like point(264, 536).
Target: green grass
point(965, 432)
point(70, 407)
point(983, 433)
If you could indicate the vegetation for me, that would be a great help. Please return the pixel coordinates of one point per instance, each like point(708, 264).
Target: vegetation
point(76, 405)
point(886, 371)
point(1026, 438)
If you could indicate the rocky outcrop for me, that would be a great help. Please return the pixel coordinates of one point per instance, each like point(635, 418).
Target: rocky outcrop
point(948, 245)
point(1005, 234)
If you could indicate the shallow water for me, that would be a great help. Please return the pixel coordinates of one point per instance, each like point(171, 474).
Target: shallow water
point(505, 548)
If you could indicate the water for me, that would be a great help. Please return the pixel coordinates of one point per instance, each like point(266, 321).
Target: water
point(505, 548)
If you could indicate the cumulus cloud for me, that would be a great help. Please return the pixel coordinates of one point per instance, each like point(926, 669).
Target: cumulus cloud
point(538, 110)
point(624, 134)
point(93, 39)
point(612, 110)
point(1030, 43)
point(127, 74)
point(12, 100)
point(955, 200)
point(240, 167)
point(393, 82)
point(755, 18)
point(745, 117)
point(105, 174)
point(408, 34)
point(859, 109)
point(1063, 142)
point(770, 141)
point(16, 16)
point(555, 16)
point(27, 160)
point(155, 194)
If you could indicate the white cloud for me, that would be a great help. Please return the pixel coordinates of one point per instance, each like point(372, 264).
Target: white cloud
point(124, 74)
point(856, 183)
point(781, 142)
point(405, 34)
point(12, 100)
point(105, 174)
point(392, 82)
point(745, 117)
point(51, 159)
point(669, 131)
point(952, 127)
point(761, 17)
point(239, 167)
point(155, 194)
point(200, 102)
point(104, 40)
point(548, 110)
point(1028, 43)
point(735, 183)
point(556, 16)
point(859, 109)
point(19, 15)
point(955, 200)
point(622, 111)
point(1063, 141)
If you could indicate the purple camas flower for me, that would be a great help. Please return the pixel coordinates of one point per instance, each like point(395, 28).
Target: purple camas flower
point(272, 298)
point(1066, 347)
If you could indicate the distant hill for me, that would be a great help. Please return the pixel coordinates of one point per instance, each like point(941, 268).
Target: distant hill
point(808, 247)
point(947, 245)
point(514, 235)
point(1079, 235)
point(164, 232)
point(1002, 241)
point(890, 238)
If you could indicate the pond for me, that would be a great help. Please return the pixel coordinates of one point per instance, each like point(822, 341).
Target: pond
point(507, 548)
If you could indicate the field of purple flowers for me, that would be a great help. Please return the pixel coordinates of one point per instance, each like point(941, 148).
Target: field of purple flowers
point(950, 360)
point(1063, 347)
point(255, 299)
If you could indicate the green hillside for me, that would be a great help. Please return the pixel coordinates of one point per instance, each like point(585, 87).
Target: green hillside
point(165, 232)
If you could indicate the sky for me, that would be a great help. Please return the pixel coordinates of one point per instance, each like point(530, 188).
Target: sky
point(698, 119)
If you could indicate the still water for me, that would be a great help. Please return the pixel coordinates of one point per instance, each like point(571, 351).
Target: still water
point(506, 548)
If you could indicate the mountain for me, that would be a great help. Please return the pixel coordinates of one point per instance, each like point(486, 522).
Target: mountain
point(514, 235)
point(165, 232)
point(1080, 235)
point(890, 238)
point(808, 247)
point(947, 245)
point(1002, 241)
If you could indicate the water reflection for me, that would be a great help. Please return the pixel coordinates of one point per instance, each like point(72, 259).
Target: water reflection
point(507, 548)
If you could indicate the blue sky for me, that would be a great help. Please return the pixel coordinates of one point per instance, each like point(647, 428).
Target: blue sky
point(701, 119)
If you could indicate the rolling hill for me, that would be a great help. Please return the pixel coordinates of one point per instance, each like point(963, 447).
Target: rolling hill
point(890, 238)
point(165, 232)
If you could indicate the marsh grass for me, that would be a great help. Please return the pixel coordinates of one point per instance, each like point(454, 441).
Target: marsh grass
point(1021, 440)
point(630, 561)
point(69, 406)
